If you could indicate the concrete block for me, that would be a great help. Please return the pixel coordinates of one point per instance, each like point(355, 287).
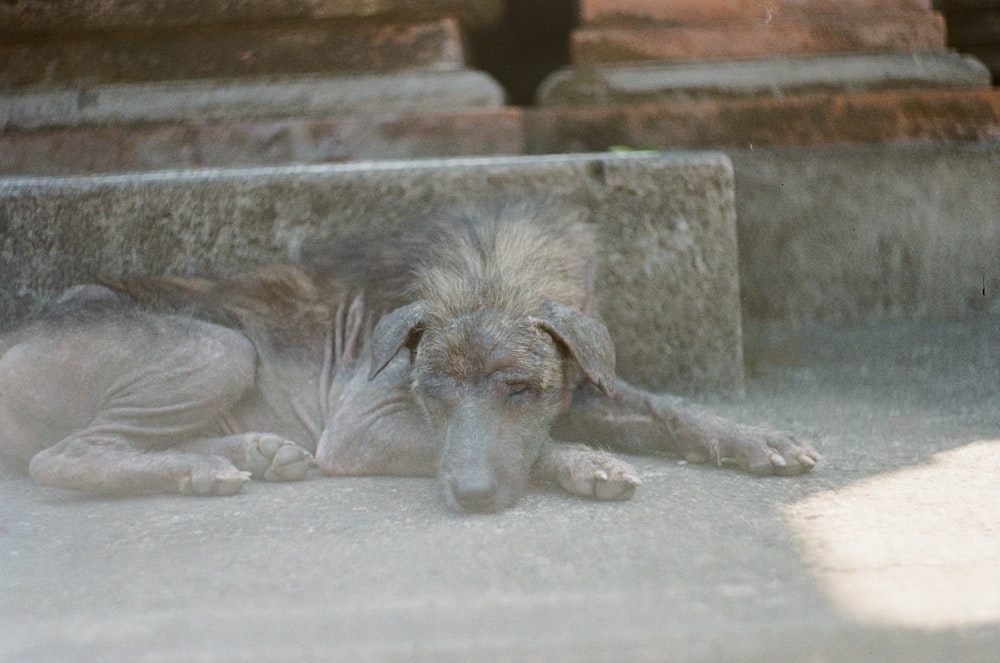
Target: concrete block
point(668, 284)
point(663, 83)
point(905, 33)
point(208, 100)
point(80, 16)
point(869, 233)
point(233, 51)
point(299, 140)
point(811, 119)
point(711, 11)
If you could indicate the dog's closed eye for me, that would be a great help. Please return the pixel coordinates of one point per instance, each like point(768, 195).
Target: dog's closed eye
point(520, 390)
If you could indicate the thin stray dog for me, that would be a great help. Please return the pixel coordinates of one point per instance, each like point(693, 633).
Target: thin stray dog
point(486, 352)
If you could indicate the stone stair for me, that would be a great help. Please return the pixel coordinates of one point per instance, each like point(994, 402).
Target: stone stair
point(668, 282)
point(865, 152)
point(120, 85)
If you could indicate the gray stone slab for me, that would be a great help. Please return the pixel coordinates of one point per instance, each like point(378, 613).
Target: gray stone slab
point(663, 82)
point(76, 16)
point(868, 233)
point(668, 284)
point(206, 100)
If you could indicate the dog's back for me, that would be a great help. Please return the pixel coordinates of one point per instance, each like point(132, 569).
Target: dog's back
point(512, 261)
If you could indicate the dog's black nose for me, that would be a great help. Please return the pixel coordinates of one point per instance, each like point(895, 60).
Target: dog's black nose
point(475, 493)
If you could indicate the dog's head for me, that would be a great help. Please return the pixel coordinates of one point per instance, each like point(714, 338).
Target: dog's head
point(490, 385)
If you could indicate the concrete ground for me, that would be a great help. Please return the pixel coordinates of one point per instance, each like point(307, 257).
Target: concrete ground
point(890, 550)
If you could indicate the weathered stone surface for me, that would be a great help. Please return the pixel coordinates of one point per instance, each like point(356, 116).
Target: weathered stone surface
point(73, 16)
point(231, 51)
point(664, 83)
point(84, 150)
point(708, 11)
point(901, 32)
point(207, 100)
point(815, 119)
point(668, 285)
point(863, 233)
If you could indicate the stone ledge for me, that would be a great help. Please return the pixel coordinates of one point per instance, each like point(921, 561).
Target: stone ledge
point(912, 32)
point(668, 283)
point(208, 100)
point(266, 142)
point(702, 81)
point(76, 16)
point(708, 11)
point(233, 51)
point(876, 118)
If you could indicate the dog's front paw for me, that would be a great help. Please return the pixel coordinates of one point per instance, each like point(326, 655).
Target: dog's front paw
point(211, 475)
point(759, 451)
point(273, 458)
point(590, 473)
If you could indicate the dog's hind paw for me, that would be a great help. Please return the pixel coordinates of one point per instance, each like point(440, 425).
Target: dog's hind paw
point(590, 473)
point(273, 458)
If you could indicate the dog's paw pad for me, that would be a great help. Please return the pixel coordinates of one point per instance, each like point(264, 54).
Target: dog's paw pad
point(273, 458)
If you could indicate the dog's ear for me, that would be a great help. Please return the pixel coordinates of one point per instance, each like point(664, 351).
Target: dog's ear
point(395, 330)
point(587, 340)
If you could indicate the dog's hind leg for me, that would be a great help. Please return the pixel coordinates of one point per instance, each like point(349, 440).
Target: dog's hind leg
point(637, 421)
point(102, 405)
point(111, 465)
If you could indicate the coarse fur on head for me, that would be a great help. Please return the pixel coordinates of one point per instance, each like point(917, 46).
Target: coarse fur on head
point(499, 334)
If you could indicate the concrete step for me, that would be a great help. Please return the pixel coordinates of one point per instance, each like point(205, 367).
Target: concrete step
point(692, 12)
point(199, 101)
point(34, 17)
point(227, 51)
point(668, 283)
point(874, 118)
point(915, 31)
point(264, 142)
point(769, 77)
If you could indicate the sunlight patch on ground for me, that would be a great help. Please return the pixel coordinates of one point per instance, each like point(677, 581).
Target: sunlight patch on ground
point(918, 548)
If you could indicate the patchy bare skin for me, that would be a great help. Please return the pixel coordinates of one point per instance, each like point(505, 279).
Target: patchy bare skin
point(487, 368)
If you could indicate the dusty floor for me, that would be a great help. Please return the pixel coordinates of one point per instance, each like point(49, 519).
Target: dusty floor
point(890, 550)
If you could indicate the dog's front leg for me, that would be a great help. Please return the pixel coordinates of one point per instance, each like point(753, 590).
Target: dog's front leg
point(585, 472)
point(265, 455)
point(638, 421)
